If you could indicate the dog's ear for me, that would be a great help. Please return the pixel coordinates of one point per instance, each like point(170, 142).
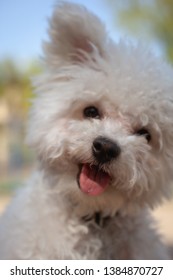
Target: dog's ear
point(75, 34)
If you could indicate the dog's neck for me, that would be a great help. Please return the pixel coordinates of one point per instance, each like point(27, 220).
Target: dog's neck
point(88, 213)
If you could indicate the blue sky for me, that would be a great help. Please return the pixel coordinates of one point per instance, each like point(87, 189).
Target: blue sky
point(23, 25)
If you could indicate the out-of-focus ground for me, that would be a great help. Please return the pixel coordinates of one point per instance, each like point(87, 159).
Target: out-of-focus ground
point(4, 200)
point(164, 217)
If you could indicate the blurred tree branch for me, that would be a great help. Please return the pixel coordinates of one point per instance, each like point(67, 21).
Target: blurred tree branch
point(15, 85)
point(152, 19)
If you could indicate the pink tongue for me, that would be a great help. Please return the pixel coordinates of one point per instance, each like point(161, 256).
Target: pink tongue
point(93, 181)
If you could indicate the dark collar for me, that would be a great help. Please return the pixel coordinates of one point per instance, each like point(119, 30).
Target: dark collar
point(98, 219)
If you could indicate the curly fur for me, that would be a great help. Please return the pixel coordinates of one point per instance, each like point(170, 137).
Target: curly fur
point(132, 89)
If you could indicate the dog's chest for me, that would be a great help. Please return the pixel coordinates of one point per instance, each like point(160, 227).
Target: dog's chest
point(97, 241)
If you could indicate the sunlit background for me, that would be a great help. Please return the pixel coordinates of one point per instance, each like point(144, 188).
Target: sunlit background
point(23, 26)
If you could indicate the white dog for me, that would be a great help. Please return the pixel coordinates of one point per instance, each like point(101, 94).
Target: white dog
point(102, 129)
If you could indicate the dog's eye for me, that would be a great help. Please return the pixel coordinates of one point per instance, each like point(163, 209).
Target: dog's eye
point(144, 132)
point(91, 112)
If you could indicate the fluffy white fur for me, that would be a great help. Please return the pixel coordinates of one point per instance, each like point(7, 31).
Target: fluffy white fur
point(132, 89)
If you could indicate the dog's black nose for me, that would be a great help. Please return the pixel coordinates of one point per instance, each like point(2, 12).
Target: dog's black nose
point(104, 150)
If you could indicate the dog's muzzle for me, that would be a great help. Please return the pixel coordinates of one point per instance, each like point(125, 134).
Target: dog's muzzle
point(92, 178)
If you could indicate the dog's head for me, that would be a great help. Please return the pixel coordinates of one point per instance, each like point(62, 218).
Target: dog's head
point(103, 116)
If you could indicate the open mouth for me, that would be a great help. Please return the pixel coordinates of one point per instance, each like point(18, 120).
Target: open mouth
point(92, 180)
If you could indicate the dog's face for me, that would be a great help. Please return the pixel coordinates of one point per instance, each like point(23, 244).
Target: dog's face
point(103, 117)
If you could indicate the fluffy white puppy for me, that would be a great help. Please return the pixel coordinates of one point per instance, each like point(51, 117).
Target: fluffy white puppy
point(102, 129)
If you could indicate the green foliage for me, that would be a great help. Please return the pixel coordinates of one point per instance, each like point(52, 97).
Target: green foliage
point(8, 186)
point(153, 19)
point(15, 85)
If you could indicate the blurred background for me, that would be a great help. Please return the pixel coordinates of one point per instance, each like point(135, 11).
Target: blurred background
point(23, 26)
